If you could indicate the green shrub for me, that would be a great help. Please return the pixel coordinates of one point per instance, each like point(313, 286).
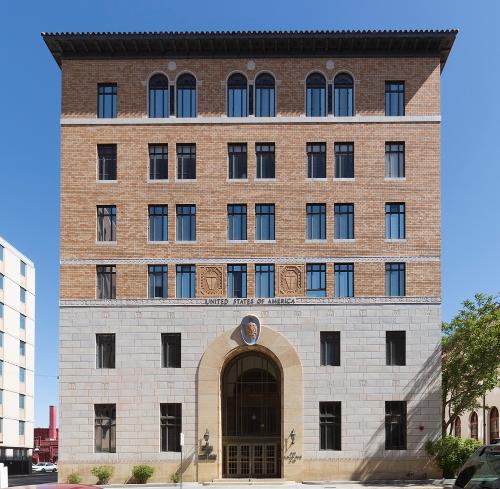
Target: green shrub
point(142, 473)
point(103, 473)
point(175, 477)
point(74, 478)
point(450, 453)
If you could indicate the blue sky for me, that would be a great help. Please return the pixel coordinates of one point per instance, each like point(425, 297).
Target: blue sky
point(29, 129)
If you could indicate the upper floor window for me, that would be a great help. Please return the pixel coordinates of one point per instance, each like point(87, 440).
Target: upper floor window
point(265, 96)
point(21, 428)
point(1, 310)
point(316, 280)
point(22, 269)
point(22, 295)
point(157, 281)
point(316, 221)
point(237, 222)
point(395, 279)
point(344, 221)
point(1, 339)
point(265, 160)
point(237, 96)
point(1, 281)
point(106, 154)
point(237, 159)
point(186, 161)
point(106, 223)
point(264, 280)
point(395, 425)
point(22, 375)
point(394, 98)
point(106, 281)
point(1, 252)
point(106, 100)
point(264, 222)
point(394, 160)
point(344, 280)
point(158, 96)
point(185, 281)
point(158, 223)
point(170, 427)
point(186, 96)
point(158, 162)
point(105, 428)
point(315, 95)
point(22, 348)
point(330, 348)
point(394, 221)
point(171, 350)
point(186, 223)
point(105, 350)
point(22, 321)
point(316, 160)
point(344, 95)
point(237, 281)
point(22, 401)
point(344, 160)
point(395, 345)
point(330, 425)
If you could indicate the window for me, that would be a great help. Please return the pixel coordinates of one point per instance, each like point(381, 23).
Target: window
point(158, 162)
point(171, 427)
point(186, 96)
point(1, 281)
point(344, 221)
point(457, 427)
point(105, 350)
point(186, 223)
point(157, 281)
point(394, 98)
point(264, 222)
point(1, 397)
point(395, 425)
point(1, 339)
point(185, 281)
point(265, 99)
point(474, 426)
point(22, 375)
point(316, 280)
point(1, 252)
point(394, 160)
point(316, 160)
point(106, 223)
point(186, 161)
point(344, 160)
point(237, 222)
point(344, 280)
point(344, 95)
point(106, 100)
point(315, 95)
point(330, 348)
point(105, 428)
point(264, 280)
point(22, 348)
point(330, 425)
point(106, 281)
point(158, 223)
point(1, 310)
point(1, 367)
point(395, 347)
point(107, 161)
point(316, 221)
point(394, 221)
point(22, 295)
point(494, 426)
point(171, 350)
point(237, 103)
point(237, 158)
point(21, 428)
point(22, 321)
point(158, 96)
point(22, 269)
point(22, 399)
point(395, 279)
point(237, 281)
point(265, 160)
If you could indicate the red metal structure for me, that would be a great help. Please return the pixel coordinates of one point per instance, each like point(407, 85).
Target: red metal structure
point(46, 440)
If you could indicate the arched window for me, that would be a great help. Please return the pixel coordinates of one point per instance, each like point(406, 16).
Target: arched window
point(237, 96)
point(265, 96)
point(458, 427)
point(158, 96)
point(494, 431)
point(186, 96)
point(344, 100)
point(473, 426)
point(315, 95)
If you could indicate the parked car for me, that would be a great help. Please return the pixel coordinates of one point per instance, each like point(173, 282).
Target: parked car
point(44, 467)
point(482, 470)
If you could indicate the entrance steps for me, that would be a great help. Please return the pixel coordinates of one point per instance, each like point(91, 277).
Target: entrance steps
point(246, 482)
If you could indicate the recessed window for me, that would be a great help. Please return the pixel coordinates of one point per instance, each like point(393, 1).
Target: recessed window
point(394, 98)
point(22, 321)
point(1, 252)
point(344, 280)
point(107, 161)
point(237, 96)
point(316, 280)
point(264, 222)
point(330, 348)
point(344, 221)
point(22, 375)
point(457, 427)
point(264, 280)
point(186, 96)
point(330, 425)
point(157, 281)
point(105, 350)
point(22, 295)
point(494, 424)
point(316, 221)
point(237, 222)
point(237, 159)
point(185, 281)
point(158, 223)
point(186, 222)
point(186, 161)
point(394, 160)
point(394, 221)
point(395, 425)
point(474, 425)
point(1, 310)
point(22, 269)
point(265, 98)
point(265, 160)
point(170, 427)
point(395, 348)
point(106, 281)
point(344, 160)
point(158, 162)
point(22, 348)
point(344, 95)
point(171, 350)
point(1, 281)
point(106, 223)
point(315, 95)
point(1, 339)
point(105, 428)
point(237, 281)
point(316, 160)
point(21, 428)
point(1, 367)
point(395, 279)
point(106, 100)
point(22, 401)
point(158, 96)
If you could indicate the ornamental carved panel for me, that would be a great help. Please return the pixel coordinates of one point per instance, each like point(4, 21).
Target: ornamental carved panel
point(291, 280)
point(210, 281)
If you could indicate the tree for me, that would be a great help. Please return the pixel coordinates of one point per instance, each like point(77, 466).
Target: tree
point(470, 357)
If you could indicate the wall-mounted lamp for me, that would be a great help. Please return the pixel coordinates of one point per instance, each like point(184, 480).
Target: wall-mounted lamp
point(292, 436)
point(206, 437)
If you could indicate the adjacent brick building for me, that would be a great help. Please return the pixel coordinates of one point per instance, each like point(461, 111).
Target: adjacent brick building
point(250, 252)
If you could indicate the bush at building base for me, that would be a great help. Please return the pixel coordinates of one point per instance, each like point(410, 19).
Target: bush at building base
point(103, 473)
point(142, 473)
point(74, 478)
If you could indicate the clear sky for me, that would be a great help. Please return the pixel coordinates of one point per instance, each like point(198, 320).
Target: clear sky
point(30, 106)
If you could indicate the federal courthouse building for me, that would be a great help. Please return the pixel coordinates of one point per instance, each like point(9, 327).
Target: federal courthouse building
point(250, 253)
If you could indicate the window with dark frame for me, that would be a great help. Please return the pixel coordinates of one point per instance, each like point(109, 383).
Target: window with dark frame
point(344, 95)
point(22, 375)
point(265, 160)
point(22, 321)
point(264, 222)
point(315, 95)
point(237, 160)
point(394, 98)
point(330, 348)
point(344, 160)
point(316, 221)
point(106, 100)
point(170, 427)
point(237, 281)
point(186, 162)
point(344, 221)
point(186, 222)
point(344, 279)
point(22, 348)
point(394, 160)
point(186, 96)
point(22, 268)
point(237, 222)
point(105, 428)
point(316, 280)
point(171, 350)
point(264, 280)
point(157, 281)
point(395, 425)
point(21, 428)
point(158, 96)
point(316, 160)
point(237, 96)
point(395, 220)
point(158, 161)
point(22, 401)
point(106, 281)
point(106, 154)
point(22, 295)
point(395, 348)
point(157, 223)
point(474, 425)
point(185, 280)
point(105, 350)
point(395, 279)
point(330, 416)
point(265, 96)
point(106, 223)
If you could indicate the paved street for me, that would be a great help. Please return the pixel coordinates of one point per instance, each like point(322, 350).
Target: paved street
point(31, 479)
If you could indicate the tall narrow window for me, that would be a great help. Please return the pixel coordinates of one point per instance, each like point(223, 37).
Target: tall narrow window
point(457, 427)
point(237, 96)
point(344, 160)
point(106, 223)
point(107, 161)
point(394, 221)
point(185, 281)
point(22, 321)
point(186, 223)
point(316, 221)
point(171, 350)
point(1, 310)
point(344, 221)
point(22, 268)
point(158, 96)
point(264, 222)
point(394, 160)
point(330, 425)
point(158, 223)
point(395, 347)
point(474, 426)
point(237, 281)
point(265, 160)
point(22, 348)
point(394, 98)
point(106, 100)
point(315, 95)
point(264, 280)
point(330, 348)
point(22, 295)
point(1, 281)
point(21, 428)
point(171, 427)
point(395, 279)
point(106, 281)
point(22, 401)
point(265, 99)
point(316, 280)
point(157, 281)
point(237, 158)
point(186, 96)
point(344, 280)
point(158, 162)
point(316, 160)
point(105, 428)
point(1, 252)
point(395, 425)
point(494, 426)
point(105, 350)
point(344, 95)
point(1, 339)
point(237, 222)
point(186, 161)
point(22, 375)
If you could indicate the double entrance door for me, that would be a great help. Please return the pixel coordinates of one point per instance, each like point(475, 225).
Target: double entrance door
point(251, 460)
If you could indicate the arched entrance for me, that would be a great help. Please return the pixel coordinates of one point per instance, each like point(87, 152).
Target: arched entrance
point(251, 417)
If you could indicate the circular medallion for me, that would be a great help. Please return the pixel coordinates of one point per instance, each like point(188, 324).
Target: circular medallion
point(172, 65)
point(251, 65)
point(330, 64)
point(250, 329)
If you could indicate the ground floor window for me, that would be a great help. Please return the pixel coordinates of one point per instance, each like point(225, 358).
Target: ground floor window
point(395, 425)
point(105, 428)
point(171, 427)
point(330, 425)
